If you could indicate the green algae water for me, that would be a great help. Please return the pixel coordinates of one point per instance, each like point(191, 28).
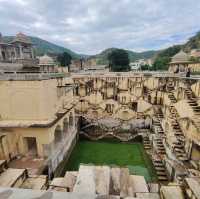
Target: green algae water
point(131, 155)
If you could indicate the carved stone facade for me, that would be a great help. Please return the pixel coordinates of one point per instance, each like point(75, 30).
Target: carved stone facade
point(166, 105)
point(17, 54)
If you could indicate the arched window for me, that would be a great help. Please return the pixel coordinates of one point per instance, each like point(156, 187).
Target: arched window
point(57, 135)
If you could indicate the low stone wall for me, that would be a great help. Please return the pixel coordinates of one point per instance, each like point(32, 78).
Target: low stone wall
point(58, 159)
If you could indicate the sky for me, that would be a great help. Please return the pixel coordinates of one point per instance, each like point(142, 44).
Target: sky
point(90, 26)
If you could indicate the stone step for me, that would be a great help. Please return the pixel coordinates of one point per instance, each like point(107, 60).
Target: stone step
point(160, 168)
point(179, 146)
point(159, 142)
point(158, 164)
point(161, 173)
point(193, 102)
point(161, 152)
point(183, 158)
point(196, 110)
point(162, 178)
point(180, 151)
point(13, 177)
point(195, 107)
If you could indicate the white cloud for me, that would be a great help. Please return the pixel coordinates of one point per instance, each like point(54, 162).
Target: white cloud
point(89, 26)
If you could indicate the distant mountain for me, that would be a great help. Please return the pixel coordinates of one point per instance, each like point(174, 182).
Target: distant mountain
point(193, 43)
point(163, 58)
point(42, 47)
point(133, 56)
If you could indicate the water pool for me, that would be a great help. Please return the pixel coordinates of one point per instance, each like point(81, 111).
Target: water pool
point(131, 155)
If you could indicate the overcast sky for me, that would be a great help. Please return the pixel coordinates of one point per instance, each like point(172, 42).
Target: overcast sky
point(89, 26)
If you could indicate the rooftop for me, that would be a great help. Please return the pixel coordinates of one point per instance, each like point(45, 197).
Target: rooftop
point(46, 60)
point(22, 38)
point(180, 57)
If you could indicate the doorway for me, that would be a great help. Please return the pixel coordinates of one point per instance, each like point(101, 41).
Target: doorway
point(31, 146)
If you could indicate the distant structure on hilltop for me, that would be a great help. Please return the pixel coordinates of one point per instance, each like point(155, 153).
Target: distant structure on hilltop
point(183, 61)
point(18, 54)
point(90, 64)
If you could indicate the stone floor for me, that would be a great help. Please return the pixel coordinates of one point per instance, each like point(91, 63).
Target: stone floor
point(32, 164)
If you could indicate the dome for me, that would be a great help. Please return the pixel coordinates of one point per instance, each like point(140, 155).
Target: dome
point(180, 57)
point(20, 37)
point(46, 60)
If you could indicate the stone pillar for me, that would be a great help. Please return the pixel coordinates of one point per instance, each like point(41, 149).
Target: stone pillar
point(1, 58)
point(21, 52)
point(15, 53)
point(32, 53)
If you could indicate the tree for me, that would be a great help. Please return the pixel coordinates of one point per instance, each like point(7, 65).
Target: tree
point(64, 59)
point(119, 60)
point(145, 67)
point(164, 57)
point(161, 63)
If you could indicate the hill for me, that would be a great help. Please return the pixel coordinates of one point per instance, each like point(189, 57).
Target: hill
point(42, 47)
point(193, 43)
point(163, 58)
point(133, 56)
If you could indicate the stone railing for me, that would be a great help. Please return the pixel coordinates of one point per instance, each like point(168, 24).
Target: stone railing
point(134, 74)
point(30, 76)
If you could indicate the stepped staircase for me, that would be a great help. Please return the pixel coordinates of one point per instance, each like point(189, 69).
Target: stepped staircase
point(172, 97)
point(159, 132)
point(159, 145)
point(179, 144)
point(193, 103)
point(146, 143)
point(160, 170)
point(170, 86)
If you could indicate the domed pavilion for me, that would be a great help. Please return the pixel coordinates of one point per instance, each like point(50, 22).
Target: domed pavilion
point(47, 64)
point(179, 62)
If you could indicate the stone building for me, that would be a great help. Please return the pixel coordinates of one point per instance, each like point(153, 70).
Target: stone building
point(18, 55)
point(182, 61)
point(39, 114)
point(37, 119)
point(167, 103)
point(47, 64)
point(38, 126)
point(195, 53)
point(179, 62)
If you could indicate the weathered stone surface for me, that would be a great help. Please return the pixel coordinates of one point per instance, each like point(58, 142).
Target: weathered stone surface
point(148, 195)
point(124, 178)
point(115, 180)
point(85, 180)
point(137, 184)
point(102, 180)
